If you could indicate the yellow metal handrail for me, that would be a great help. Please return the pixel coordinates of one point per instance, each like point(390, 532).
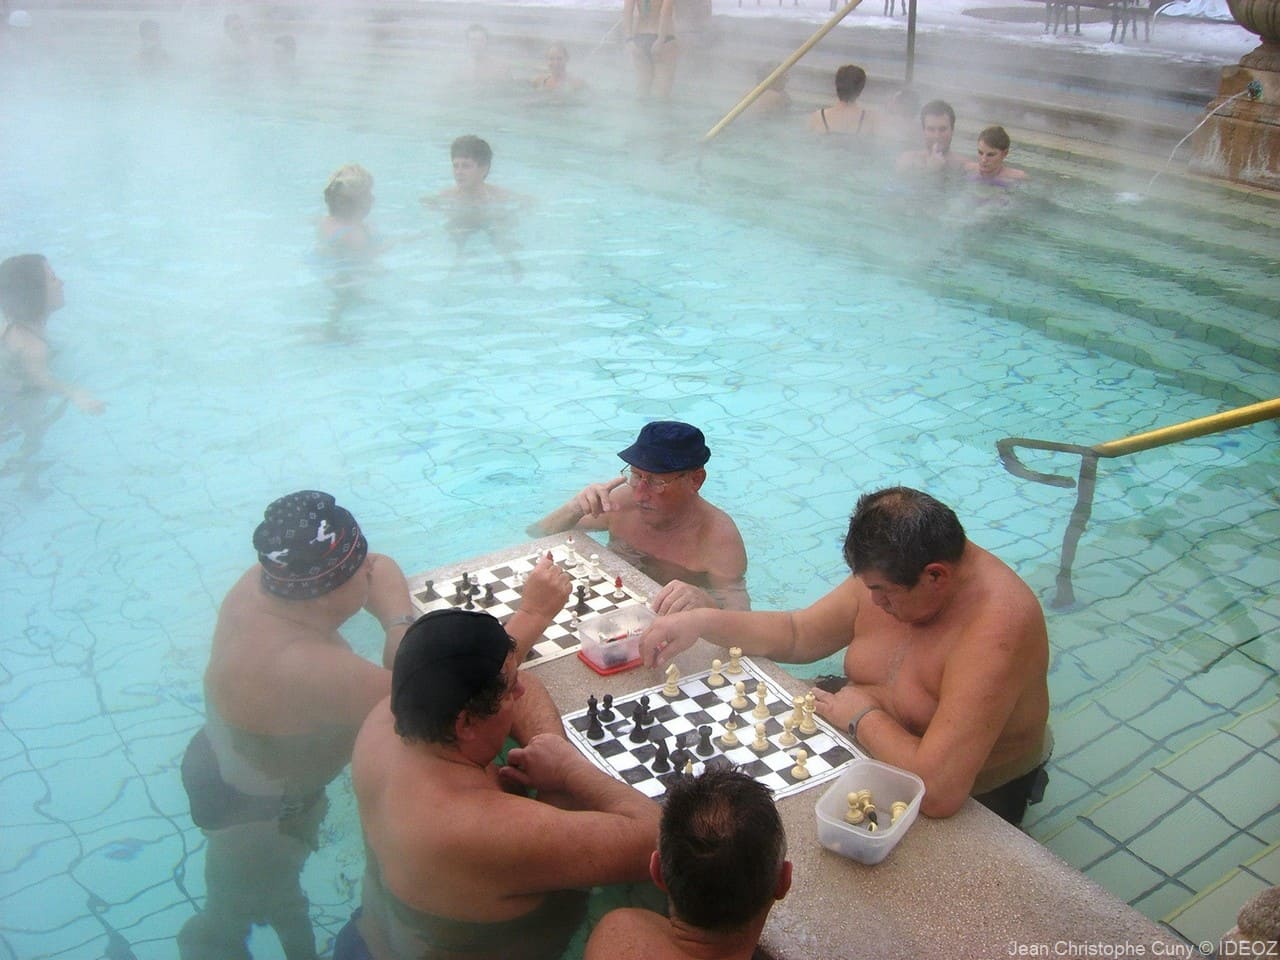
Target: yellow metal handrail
point(1089, 456)
point(778, 71)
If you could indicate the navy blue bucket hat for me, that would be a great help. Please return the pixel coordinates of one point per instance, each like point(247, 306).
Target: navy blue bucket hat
point(667, 446)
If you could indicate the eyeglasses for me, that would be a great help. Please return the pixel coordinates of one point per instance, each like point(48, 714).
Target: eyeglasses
point(634, 479)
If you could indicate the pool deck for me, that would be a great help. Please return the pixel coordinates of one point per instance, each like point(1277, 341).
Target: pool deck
point(968, 886)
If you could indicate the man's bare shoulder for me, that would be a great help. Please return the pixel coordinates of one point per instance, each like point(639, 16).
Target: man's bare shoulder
point(1005, 604)
point(630, 933)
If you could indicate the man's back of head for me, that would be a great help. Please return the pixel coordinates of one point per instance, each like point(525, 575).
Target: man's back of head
point(722, 850)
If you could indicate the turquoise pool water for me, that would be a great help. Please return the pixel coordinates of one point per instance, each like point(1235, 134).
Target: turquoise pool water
point(448, 406)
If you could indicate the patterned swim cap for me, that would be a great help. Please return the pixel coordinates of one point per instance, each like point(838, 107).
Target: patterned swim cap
point(308, 546)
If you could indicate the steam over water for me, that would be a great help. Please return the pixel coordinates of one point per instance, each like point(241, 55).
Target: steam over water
point(831, 329)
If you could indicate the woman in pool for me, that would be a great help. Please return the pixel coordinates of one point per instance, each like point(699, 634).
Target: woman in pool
point(845, 116)
point(29, 292)
point(556, 81)
point(349, 197)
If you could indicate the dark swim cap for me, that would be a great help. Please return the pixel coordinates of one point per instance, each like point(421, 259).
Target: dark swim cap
point(445, 659)
point(308, 546)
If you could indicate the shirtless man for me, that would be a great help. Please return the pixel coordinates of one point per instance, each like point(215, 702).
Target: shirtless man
point(938, 124)
point(460, 861)
point(721, 860)
point(474, 205)
point(487, 71)
point(993, 147)
point(285, 696)
point(651, 34)
point(658, 521)
point(946, 654)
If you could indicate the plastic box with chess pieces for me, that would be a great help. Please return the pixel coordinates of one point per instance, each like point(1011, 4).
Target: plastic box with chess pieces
point(611, 641)
point(888, 785)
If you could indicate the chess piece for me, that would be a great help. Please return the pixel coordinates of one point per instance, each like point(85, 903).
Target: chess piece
point(729, 738)
point(854, 814)
point(570, 557)
point(704, 748)
point(800, 771)
point(761, 742)
point(739, 701)
point(896, 810)
point(593, 567)
point(788, 739)
point(761, 711)
point(460, 588)
point(869, 811)
point(594, 730)
point(662, 759)
point(807, 724)
point(618, 592)
point(471, 601)
point(688, 767)
point(430, 590)
point(735, 658)
point(671, 688)
point(797, 711)
point(606, 708)
point(639, 718)
point(489, 599)
point(581, 592)
point(715, 678)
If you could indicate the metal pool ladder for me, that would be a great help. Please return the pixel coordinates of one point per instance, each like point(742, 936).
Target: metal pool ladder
point(1089, 456)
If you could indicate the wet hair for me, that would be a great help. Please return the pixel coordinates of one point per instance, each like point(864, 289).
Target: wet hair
point(938, 108)
point(721, 845)
point(558, 45)
point(433, 719)
point(349, 192)
point(995, 137)
point(850, 80)
point(900, 531)
point(471, 147)
point(24, 289)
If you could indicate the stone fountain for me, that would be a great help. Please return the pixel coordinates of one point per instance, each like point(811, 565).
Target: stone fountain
point(1240, 138)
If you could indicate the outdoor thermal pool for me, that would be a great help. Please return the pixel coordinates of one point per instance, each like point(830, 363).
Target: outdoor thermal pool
point(825, 332)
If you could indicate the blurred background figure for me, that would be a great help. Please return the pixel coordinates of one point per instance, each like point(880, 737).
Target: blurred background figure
point(152, 56)
point(29, 293)
point(845, 116)
point(556, 79)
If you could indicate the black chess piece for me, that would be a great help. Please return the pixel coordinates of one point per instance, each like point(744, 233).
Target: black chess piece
point(606, 708)
point(662, 759)
point(704, 748)
point(594, 730)
point(638, 733)
point(582, 596)
point(489, 599)
point(429, 590)
point(592, 708)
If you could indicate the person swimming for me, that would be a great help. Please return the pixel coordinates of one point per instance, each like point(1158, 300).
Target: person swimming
point(349, 198)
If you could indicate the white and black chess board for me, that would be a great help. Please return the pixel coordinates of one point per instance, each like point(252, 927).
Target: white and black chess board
point(497, 590)
point(677, 721)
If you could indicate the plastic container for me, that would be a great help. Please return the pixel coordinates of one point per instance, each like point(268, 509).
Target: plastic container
point(611, 641)
point(887, 785)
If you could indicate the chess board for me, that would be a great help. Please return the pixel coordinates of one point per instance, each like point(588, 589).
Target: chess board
point(677, 720)
point(507, 578)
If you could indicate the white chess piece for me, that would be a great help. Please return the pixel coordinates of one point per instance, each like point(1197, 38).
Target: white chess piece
point(761, 742)
point(800, 771)
point(788, 739)
point(761, 710)
point(715, 678)
point(735, 667)
point(730, 739)
point(739, 701)
point(671, 688)
point(807, 724)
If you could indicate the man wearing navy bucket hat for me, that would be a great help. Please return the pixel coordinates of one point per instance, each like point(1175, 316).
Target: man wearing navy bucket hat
point(658, 521)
